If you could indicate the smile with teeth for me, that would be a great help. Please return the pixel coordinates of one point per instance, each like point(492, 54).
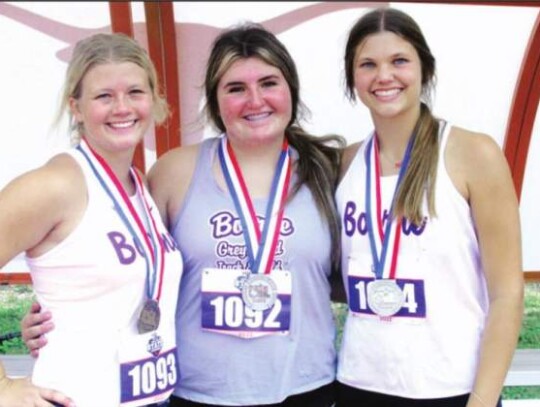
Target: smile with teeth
point(122, 125)
point(258, 116)
point(386, 92)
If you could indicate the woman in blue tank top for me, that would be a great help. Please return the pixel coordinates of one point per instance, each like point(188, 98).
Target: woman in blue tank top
point(253, 214)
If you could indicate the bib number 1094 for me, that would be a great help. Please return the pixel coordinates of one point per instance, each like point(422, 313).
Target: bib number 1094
point(413, 291)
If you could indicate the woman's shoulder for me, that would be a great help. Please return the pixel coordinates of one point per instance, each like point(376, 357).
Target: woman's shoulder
point(473, 158)
point(61, 174)
point(472, 146)
point(176, 162)
point(47, 198)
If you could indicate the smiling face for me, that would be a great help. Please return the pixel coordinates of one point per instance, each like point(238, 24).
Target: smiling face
point(254, 102)
point(114, 107)
point(388, 75)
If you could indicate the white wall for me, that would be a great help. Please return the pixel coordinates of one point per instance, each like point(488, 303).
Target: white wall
point(479, 50)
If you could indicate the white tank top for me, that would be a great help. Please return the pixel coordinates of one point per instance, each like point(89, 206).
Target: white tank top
point(429, 349)
point(93, 282)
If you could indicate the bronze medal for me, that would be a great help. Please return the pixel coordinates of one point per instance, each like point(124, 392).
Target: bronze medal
point(149, 317)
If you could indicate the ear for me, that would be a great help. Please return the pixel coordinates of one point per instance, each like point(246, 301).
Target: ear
point(75, 111)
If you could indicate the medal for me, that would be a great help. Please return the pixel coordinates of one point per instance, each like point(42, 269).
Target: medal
point(148, 240)
point(259, 292)
point(384, 297)
point(149, 318)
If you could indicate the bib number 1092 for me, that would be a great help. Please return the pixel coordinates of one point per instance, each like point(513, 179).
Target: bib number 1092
point(229, 313)
point(232, 312)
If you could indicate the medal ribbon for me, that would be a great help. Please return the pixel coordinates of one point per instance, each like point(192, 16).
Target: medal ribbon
point(382, 240)
point(260, 249)
point(150, 242)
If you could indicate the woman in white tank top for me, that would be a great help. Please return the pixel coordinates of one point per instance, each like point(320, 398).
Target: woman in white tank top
point(431, 253)
point(98, 252)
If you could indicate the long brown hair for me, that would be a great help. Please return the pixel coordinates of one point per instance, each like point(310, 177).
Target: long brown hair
point(318, 157)
point(419, 180)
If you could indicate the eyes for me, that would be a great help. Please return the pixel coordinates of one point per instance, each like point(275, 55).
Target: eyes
point(370, 64)
point(132, 93)
point(236, 88)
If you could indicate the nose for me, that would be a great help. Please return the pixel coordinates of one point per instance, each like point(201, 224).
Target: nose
point(121, 104)
point(385, 73)
point(255, 98)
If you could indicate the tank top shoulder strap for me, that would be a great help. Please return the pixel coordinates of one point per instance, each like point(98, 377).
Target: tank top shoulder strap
point(92, 187)
point(444, 131)
point(202, 174)
point(203, 167)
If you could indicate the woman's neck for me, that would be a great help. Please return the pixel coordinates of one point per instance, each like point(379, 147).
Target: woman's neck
point(120, 165)
point(258, 165)
point(393, 135)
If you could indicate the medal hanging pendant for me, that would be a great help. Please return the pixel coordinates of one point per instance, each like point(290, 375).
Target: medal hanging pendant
point(149, 317)
point(384, 297)
point(259, 292)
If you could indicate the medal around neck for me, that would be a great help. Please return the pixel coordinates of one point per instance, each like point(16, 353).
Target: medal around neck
point(385, 297)
point(149, 317)
point(259, 292)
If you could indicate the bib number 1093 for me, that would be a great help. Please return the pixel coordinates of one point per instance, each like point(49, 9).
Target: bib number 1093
point(149, 377)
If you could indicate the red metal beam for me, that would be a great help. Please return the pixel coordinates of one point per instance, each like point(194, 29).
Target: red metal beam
point(15, 278)
point(524, 109)
point(122, 21)
point(513, 3)
point(162, 47)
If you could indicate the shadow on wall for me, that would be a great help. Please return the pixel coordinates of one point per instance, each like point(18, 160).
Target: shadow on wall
point(192, 39)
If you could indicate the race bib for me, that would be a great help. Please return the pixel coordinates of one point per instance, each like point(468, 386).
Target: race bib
point(225, 310)
point(148, 367)
point(358, 286)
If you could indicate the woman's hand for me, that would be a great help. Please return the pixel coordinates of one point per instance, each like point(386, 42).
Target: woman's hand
point(34, 326)
point(22, 393)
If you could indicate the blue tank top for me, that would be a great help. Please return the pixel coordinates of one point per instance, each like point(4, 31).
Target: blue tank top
point(223, 369)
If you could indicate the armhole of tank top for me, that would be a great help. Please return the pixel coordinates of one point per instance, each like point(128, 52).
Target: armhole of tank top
point(442, 173)
point(360, 152)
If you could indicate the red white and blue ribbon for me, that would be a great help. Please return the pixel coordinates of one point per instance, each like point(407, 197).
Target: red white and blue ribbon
point(383, 240)
point(149, 242)
point(260, 245)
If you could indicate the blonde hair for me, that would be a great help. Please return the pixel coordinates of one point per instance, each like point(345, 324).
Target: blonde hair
point(104, 49)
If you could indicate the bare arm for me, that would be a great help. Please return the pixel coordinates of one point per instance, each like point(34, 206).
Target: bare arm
point(37, 211)
point(487, 184)
point(40, 208)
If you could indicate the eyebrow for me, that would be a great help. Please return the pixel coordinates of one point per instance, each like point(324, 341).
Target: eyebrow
point(263, 79)
point(396, 55)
